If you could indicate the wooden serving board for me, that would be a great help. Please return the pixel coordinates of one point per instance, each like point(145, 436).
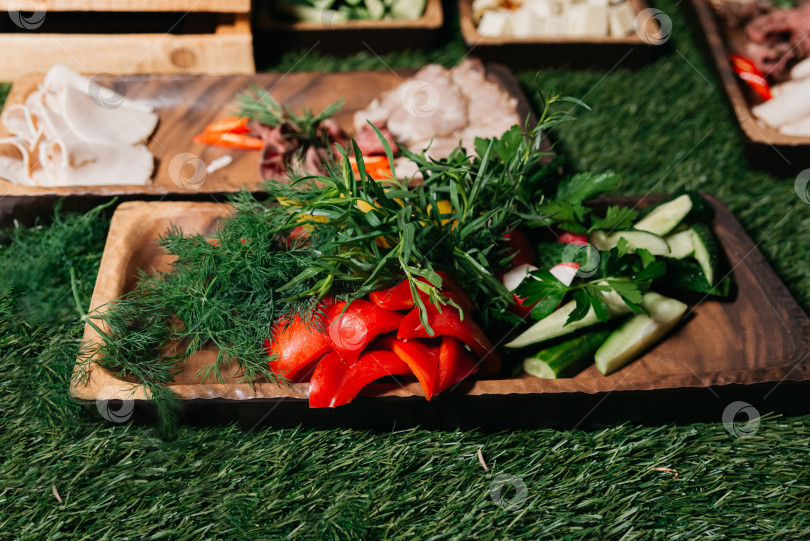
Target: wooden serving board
point(187, 103)
point(767, 147)
point(608, 51)
point(760, 337)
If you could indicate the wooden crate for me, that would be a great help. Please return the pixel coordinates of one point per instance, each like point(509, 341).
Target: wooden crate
point(128, 36)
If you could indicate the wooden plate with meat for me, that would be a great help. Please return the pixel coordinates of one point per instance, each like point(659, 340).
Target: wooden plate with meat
point(187, 103)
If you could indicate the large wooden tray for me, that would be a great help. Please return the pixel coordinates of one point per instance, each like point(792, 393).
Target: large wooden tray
point(760, 337)
point(627, 51)
point(186, 103)
point(767, 147)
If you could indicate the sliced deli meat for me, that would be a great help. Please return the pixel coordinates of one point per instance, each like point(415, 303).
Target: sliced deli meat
point(73, 132)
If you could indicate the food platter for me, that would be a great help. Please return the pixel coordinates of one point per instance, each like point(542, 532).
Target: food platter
point(187, 103)
point(759, 338)
point(766, 146)
point(630, 50)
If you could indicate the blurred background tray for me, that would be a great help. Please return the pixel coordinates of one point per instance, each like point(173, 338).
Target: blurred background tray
point(766, 147)
point(377, 36)
point(604, 52)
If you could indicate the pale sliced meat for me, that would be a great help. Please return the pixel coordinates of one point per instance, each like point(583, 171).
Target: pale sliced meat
point(17, 119)
point(799, 128)
point(115, 165)
point(76, 151)
point(787, 107)
point(17, 164)
point(96, 123)
point(430, 106)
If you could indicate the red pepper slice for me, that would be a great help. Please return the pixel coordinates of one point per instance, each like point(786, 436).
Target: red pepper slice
point(449, 322)
point(351, 331)
point(232, 124)
point(229, 140)
point(399, 296)
point(753, 77)
point(335, 382)
point(518, 243)
point(422, 359)
point(455, 364)
point(296, 345)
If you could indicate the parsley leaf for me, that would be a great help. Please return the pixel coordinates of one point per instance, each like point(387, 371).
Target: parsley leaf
point(615, 218)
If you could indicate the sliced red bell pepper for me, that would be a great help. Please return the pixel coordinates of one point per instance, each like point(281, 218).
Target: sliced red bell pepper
point(232, 124)
point(455, 364)
point(421, 358)
point(335, 382)
point(449, 322)
point(297, 344)
point(399, 297)
point(518, 243)
point(352, 330)
point(753, 77)
point(572, 238)
point(229, 140)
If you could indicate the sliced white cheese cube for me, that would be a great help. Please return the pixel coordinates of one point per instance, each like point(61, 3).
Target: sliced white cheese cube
point(587, 21)
point(495, 24)
point(801, 70)
point(787, 86)
point(622, 20)
point(523, 23)
point(787, 107)
point(599, 3)
point(543, 8)
point(480, 6)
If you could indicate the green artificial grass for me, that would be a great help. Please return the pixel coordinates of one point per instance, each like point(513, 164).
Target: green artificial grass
point(664, 126)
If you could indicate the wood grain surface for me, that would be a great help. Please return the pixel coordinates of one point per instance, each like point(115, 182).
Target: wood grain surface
point(761, 336)
point(186, 103)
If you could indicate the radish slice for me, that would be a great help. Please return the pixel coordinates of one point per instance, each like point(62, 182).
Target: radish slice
point(512, 279)
point(572, 238)
point(565, 272)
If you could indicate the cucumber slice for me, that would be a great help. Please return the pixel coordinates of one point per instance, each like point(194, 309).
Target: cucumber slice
point(681, 244)
point(706, 251)
point(554, 325)
point(655, 244)
point(639, 332)
point(688, 275)
point(666, 216)
point(408, 9)
point(566, 358)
